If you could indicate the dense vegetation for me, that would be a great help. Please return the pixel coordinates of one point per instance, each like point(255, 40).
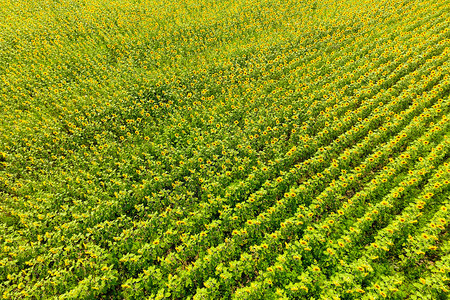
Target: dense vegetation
point(235, 149)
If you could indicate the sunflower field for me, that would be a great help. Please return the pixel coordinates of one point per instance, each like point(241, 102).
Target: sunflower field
point(227, 149)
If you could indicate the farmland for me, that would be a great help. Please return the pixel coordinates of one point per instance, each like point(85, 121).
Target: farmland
point(231, 149)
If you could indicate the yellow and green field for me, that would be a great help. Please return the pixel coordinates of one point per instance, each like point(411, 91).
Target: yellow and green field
point(227, 149)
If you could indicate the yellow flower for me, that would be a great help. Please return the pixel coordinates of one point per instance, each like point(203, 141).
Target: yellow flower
point(428, 195)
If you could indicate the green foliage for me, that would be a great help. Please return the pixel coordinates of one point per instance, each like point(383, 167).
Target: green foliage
point(224, 149)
